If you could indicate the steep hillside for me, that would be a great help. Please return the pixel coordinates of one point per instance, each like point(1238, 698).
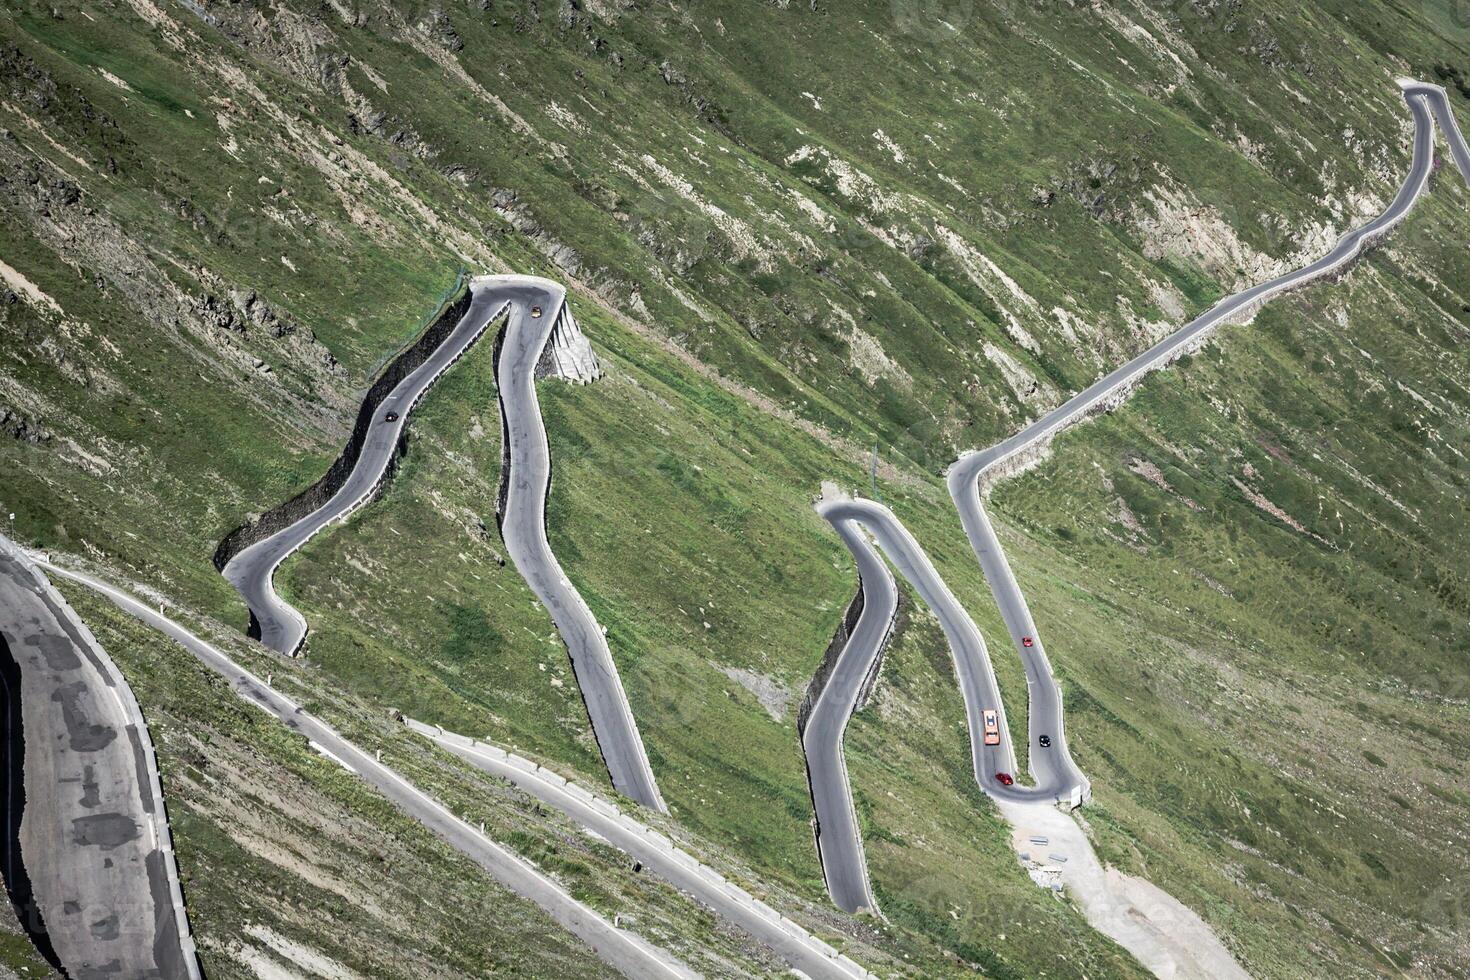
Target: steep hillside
point(1259, 561)
point(796, 232)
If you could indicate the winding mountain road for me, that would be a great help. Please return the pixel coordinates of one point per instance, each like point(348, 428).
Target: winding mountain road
point(535, 314)
point(1058, 779)
point(839, 840)
point(1056, 776)
point(274, 621)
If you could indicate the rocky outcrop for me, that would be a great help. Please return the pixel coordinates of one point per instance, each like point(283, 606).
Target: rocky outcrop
point(188, 306)
point(18, 426)
point(437, 27)
point(247, 315)
point(518, 215)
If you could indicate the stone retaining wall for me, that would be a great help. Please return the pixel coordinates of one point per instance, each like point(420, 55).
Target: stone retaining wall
point(834, 650)
point(314, 497)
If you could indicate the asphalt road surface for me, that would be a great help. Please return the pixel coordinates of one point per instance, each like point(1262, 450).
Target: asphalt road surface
point(94, 837)
point(839, 840)
point(523, 516)
point(658, 855)
point(523, 528)
point(1056, 776)
point(626, 952)
point(1055, 782)
point(281, 626)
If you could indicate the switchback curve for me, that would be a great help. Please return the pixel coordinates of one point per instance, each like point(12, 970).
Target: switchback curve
point(1052, 766)
point(535, 311)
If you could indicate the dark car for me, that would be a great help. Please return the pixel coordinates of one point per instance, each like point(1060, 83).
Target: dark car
point(1004, 778)
point(391, 417)
point(1026, 641)
point(1044, 741)
point(535, 313)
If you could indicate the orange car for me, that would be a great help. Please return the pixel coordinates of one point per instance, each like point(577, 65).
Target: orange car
point(992, 728)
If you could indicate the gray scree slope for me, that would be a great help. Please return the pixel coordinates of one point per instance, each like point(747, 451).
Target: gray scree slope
point(626, 952)
point(1057, 776)
point(526, 343)
point(94, 835)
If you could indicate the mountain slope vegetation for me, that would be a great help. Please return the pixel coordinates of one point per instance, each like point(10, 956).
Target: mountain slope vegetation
point(809, 242)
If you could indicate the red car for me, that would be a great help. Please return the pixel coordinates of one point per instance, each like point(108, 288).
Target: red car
point(1004, 778)
point(1026, 641)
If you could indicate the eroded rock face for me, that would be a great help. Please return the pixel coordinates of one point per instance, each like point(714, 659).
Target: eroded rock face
point(232, 324)
point(17, 426)
point(437, 26)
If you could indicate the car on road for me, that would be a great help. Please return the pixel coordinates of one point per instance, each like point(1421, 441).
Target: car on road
point(535, 313)
point(992, 728)
point(1004, 778)
point(1044, 741)
point(1026, 641)
point(391, 417)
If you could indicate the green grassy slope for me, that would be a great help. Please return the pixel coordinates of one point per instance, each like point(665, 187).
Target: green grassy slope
point(1256, 566)
point(794, 233)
